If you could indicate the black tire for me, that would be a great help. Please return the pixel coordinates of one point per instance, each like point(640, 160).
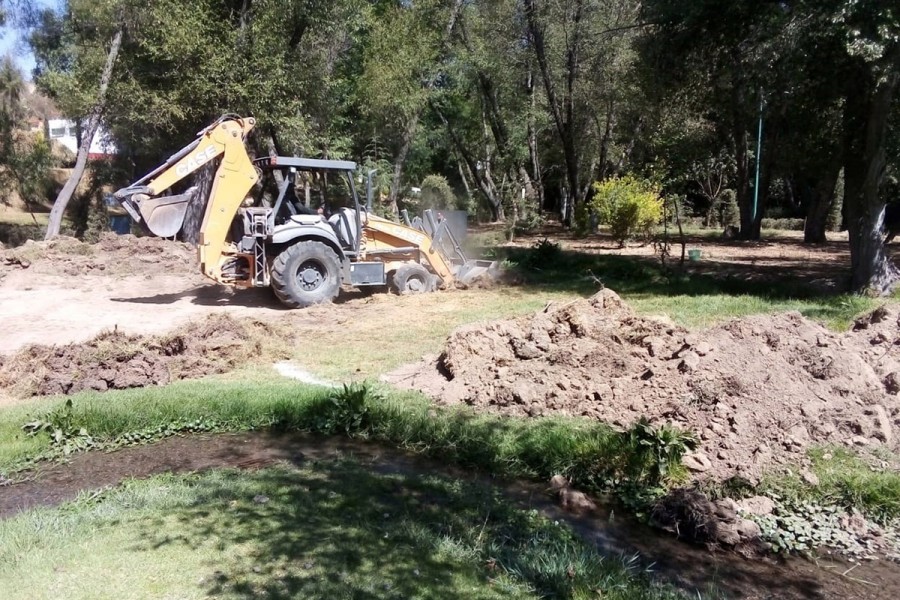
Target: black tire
point(306, 273)
point(412, 279)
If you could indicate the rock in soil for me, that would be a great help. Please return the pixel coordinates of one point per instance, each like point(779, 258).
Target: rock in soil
point(692, 516)
point(758, 391)
point(570, 499)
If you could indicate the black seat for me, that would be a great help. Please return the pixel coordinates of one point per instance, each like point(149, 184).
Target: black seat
point(345, 227)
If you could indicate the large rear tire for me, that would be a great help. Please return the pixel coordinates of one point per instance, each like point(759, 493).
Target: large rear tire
point(306, 273)
point(412, 279)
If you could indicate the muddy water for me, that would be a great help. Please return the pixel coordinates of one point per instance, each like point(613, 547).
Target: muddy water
point(688, 567)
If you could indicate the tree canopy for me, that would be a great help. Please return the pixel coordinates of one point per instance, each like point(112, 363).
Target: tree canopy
point(520, 105)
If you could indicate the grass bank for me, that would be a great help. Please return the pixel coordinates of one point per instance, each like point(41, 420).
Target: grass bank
point(592, 454)
point(329, 529)
point(637, 464)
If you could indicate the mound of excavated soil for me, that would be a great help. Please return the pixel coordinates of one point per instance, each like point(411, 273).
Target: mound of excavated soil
point(113, 254)
point(114, 360)
point(757, 391)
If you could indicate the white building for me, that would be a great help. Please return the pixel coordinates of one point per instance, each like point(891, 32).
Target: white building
point(63, 131)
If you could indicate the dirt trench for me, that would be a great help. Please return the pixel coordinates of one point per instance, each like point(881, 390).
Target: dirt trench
point(757, 391)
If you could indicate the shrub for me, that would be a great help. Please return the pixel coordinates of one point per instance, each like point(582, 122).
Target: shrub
point(783, 224)
point(541, 255)
point(437, 193)
point(628, 206)
point(726, 210)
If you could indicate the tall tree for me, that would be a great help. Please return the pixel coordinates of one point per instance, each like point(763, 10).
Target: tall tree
point(89, 130)
point(576, 45)
point(871, 35)
point(724, 54)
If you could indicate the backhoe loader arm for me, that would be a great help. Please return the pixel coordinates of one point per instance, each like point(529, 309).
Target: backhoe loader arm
point(164, 215)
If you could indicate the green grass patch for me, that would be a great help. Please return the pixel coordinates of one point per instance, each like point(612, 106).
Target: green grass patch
point(592, 454)
point(692, 300)
point(381, 343)
point(328, 529)
point(846, 480)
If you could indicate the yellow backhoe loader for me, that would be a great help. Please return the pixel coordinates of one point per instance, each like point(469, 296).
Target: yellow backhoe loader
point(258, 230)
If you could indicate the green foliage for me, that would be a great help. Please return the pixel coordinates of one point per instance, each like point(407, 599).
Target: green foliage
point(783, 224)
point(436, 193)
point(802, 527)
point(25, 157)
point(656, 452)
point(591, 454)
point(59, 424)
point(726, 210)
point(347, 410)
point(628, 206)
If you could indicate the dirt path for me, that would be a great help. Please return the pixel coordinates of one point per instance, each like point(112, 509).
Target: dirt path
point(52, 309)
point(688, 567)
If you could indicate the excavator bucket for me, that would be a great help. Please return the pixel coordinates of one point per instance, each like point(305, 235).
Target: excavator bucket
point(164, 215)
point(472, 270)
point(465, 270)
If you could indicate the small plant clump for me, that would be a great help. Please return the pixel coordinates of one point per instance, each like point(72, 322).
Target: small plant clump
point(804, 526)
point(656, 452)
point(541, 255)
point(347, 410)
point(65, 434)
point(628, 206)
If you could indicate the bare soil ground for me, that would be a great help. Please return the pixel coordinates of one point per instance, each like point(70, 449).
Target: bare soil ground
point(116, 360)
point(759, 390)
point(781, 256)
point(66, 291)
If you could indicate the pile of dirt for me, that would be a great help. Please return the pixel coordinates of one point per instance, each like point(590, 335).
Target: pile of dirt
point(114, 360)
point(112, 254)
point(757, 391)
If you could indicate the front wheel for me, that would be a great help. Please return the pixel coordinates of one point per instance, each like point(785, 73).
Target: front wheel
point(306, 273)
point(412, 279)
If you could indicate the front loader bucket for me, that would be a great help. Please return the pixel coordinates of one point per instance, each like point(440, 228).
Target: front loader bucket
point(165, 215)
point(472, 270)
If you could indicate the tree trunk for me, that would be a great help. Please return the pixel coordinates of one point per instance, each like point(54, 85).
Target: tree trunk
point(749, 226)
point(93, 122)
point(533, 155)
point(629, 148)
point(409, 133)
point(866, 111)
point(561, 111)
point(820, 205)
point(196, 208)
point(481, 177)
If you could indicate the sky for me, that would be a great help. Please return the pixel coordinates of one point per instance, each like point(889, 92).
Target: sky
point(12, 41)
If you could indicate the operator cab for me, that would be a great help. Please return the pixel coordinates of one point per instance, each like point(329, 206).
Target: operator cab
point(317, 193)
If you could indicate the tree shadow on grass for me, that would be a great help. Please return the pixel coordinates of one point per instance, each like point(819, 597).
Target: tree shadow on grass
point(335, 529)
point(584, 273)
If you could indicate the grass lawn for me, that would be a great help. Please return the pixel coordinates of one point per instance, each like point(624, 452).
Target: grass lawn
point(328, 529)
point(692, 300)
